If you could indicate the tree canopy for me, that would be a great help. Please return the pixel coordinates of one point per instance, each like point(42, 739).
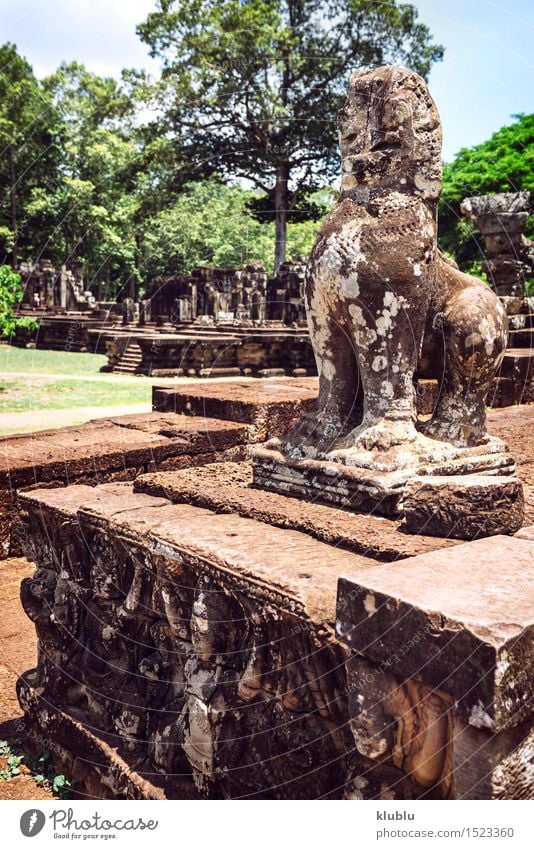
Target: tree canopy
point(504, 163)
point(229, 160)
point(251, 89)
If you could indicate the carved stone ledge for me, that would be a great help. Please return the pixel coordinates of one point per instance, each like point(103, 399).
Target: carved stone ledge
point(170, 633)
point(459, 620)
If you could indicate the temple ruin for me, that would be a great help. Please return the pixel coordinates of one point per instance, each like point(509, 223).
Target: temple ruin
point(205, 634)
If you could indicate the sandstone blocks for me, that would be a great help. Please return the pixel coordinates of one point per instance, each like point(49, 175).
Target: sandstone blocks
point(463, 506)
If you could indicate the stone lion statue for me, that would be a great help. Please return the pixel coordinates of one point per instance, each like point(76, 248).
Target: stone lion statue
point(383, 304)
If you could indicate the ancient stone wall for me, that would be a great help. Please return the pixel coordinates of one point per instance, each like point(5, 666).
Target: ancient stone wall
point(227, 294)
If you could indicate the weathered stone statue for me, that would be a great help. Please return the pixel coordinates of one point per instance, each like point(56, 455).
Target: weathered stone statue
point(501, 219)
point(384, 305)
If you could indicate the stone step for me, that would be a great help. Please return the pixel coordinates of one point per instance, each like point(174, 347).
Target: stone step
point(114, 448)
point(132, 356)
point(521, 338)
point(517, 369)
point(130, 359)
point(518, 363)
point(227, 488)
point(293, 569)
point(271, 406)
point(521, 321)
point(199, 627)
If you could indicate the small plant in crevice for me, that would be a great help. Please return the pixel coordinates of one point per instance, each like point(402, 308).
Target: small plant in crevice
point(13, 759)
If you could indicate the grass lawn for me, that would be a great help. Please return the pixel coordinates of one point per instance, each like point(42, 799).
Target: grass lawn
point(42, 380)
point(34, 361)
point(22, 395)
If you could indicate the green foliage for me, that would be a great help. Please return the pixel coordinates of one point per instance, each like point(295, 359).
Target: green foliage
point(504, 163)
point(40, 766)
point(10, 297)
point(212, 224)
point(28, 144)
point(248, 90)
point(251, 89)
point(87, 210)
point(12, 761)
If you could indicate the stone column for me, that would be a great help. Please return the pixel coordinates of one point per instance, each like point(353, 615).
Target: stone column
point(501, 218)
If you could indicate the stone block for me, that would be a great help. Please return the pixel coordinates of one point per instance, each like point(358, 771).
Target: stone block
point(371, 482)
point(227, 488)
point(459, 620)
point(114, 448)
point(208, 649)
point(463, 506)
point(491, 766)
point(427, 396)
point(502, 393)
point(270, 406)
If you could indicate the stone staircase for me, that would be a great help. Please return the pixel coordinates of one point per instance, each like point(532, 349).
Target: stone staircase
point(130, 359)
point(521, 334)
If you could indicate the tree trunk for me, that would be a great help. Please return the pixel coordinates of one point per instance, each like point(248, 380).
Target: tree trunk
point(14, 217)
point(280, 206)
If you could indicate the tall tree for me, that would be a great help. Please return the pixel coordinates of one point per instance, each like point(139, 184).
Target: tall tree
point(87, 212)
point(28, 149)
point(250, 88)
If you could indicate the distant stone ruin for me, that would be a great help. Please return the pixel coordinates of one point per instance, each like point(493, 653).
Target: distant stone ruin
point(501, 219)
point(45, 287)
point(231, 294)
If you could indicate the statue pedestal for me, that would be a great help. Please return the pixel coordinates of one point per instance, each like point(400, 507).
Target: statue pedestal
point(372, 481)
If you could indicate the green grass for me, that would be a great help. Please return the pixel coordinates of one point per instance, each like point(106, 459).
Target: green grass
point(28, 382)
point(48, 362)
point(21, 396)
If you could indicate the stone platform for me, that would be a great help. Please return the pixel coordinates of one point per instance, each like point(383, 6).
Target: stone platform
point(212, 351)
point(203, 653)
point(372, 481)
point(188, 651)
point(447, 639)
point(115, 448)
point(268, 406)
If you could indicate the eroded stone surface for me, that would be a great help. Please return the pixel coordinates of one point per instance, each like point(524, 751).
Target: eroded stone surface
point(501, 218)
point(200, 644)
point(116, 448)
point(226, 488)
point(458, 620)
point(270, 406)
point(463, 506)
point(184, 652)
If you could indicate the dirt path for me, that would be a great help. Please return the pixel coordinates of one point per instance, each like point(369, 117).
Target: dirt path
point(105, 378)
point(19, 647)
point(44, 419)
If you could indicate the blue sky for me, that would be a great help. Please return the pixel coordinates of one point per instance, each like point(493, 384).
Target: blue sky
point(485, 78)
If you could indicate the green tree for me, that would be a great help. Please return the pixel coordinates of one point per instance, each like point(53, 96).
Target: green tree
point(250, 89)
point(10, 297)
point(211, 224)
point(28, 145)
point(504, 163)
point(88, 210)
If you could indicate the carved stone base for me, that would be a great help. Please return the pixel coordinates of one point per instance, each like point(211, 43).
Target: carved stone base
point(186, 652)
point(91, 758)
point(372, 481)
